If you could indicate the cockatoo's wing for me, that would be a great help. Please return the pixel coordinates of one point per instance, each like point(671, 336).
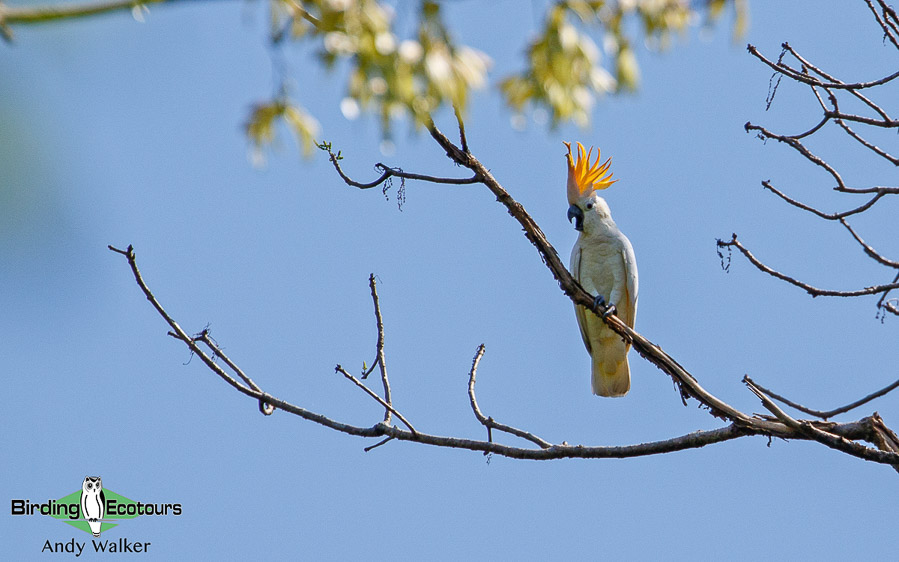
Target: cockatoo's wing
point(630, 272)
point(579, 311)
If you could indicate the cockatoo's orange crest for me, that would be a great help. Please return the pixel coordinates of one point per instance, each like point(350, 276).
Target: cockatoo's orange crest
point(584, 178)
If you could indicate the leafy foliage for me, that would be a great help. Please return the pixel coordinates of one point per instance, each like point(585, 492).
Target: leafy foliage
point(409, 78)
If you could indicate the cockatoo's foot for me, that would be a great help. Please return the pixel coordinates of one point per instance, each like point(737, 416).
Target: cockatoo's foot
point(599, 303)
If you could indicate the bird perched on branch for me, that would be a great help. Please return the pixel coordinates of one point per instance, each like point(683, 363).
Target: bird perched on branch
point(603, 262)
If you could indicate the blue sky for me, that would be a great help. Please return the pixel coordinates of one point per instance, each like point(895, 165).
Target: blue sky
point(116, 132)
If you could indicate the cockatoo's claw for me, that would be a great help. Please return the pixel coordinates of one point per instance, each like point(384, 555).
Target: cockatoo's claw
point(609, 311)
point(598, 302)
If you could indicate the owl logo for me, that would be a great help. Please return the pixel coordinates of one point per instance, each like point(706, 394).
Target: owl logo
point(93, 503)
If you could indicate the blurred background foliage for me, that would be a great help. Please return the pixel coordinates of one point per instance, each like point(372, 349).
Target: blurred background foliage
point(584, 50)
point(405, 69)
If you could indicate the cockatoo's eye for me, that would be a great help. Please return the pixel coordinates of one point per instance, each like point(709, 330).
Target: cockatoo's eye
point(589, 205)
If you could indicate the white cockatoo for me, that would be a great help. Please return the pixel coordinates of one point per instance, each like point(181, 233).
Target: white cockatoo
point(603, 262)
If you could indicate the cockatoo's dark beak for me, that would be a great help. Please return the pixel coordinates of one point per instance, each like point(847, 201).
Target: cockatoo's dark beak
point(575, 212)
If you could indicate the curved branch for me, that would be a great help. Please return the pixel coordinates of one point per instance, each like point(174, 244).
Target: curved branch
point(822, 413)
point(829, 216)
point(489, 422)
point(388, 172)
point(386, 403)
point(177, 331)
point(871, 252)
point(381, 359)
point(790, 72)
point(813, 291)
point(794, 143)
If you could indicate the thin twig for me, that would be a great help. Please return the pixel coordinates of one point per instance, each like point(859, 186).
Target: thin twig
point(461, 124)
point(266, 409)
point(887, 29)
point(883, 123)
point(489, 422)
point(813, 291)
point(378, 444)
point(373, 394)
point(889, 305)
point(790, 72)
point(829, 216)
point(870, 146)
point(794, 143)
point(179, 332)
point(813, 130)
point(387, 173)
point(890, 17)
point(299, 9)
point(381, 359)
point(840, 118)
point(829, 413)
point(871, 252)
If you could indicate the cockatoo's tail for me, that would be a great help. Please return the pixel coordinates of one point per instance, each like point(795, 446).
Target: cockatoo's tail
point(583, 177)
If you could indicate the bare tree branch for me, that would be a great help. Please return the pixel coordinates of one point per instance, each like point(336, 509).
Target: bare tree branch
point(381, 360)
point(388, 172)
point(793, 141)
point(889, 28)
point(489, 422)
point(841, 118)
point(178, 332)
point(798, 76)
point(390, 409)
point(461, 125)
point(891, 305)
point(813, 291)
point(203, 336)
point(832, 440)
point(828, 413)
point(868, 249)
point(829, 216)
